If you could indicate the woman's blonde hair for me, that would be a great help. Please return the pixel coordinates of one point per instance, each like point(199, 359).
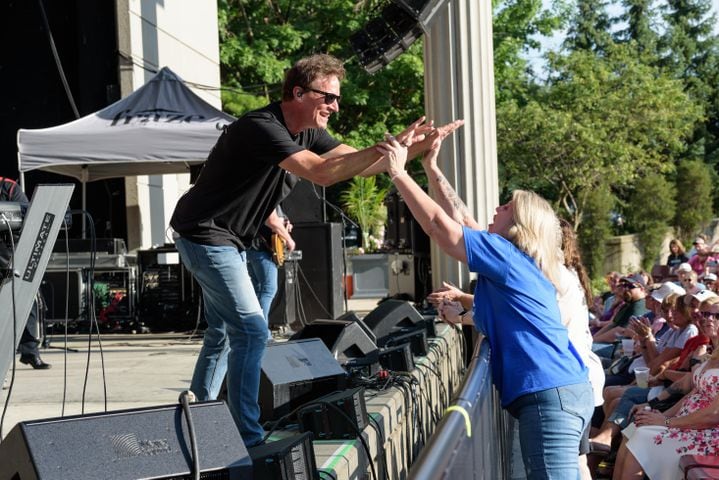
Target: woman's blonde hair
point(537, 233)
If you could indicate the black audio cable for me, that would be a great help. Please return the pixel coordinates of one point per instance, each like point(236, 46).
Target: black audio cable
point(187, 397)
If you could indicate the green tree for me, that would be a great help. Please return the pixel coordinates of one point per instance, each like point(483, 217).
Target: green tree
point(590, 27)
point(599, 203)
point(694, 198)
point(651, 209)
point(689, 52)
point(639, 16)
point(605, 120)
point(260, 39)
point(517, 26)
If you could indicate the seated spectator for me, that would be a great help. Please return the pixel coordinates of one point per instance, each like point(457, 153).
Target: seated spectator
point(672, 349)
point(677, 255)
point(688, 279)
point(704, 257)
point(607, 305)
point(710, 281)
point(633, 293)
point(655, 441)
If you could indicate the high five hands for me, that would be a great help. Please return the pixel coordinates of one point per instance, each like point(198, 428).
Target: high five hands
point(395, 149)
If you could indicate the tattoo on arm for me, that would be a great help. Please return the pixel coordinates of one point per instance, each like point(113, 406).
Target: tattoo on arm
point(459, 210)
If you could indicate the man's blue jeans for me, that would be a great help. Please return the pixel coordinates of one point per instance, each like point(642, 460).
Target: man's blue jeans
point(263, 272)
point(234, 322)
point(551, 423)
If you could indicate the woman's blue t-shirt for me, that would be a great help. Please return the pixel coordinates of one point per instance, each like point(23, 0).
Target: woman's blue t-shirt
point(515, 306)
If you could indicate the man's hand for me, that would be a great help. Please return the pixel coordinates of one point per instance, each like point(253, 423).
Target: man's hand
point(416, 132)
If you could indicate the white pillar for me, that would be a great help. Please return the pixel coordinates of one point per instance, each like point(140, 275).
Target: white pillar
point(459, 83)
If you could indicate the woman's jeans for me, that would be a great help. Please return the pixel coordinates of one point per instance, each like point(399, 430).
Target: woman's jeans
point(551, 423)
point(236, 332)
point(263, 272)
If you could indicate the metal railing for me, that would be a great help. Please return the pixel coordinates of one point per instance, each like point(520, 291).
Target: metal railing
point(453, 452)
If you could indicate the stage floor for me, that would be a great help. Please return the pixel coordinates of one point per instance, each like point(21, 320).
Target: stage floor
point(140, 371)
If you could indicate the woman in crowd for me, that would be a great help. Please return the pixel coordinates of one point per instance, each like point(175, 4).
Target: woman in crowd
point(677, 255)
point(657, 440)
point(539, 374)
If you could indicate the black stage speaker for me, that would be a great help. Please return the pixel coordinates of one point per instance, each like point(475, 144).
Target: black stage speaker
point(294, 373)
point(391, 316)
point(126, 444)
point(283, 311)
point(305, 204)
point(417, 339)
point(336, 416)
point(392, 31)
point(55, 289)
point(398, 359)
point(404, 234)
point(319, 278)
point(291, 458)
point(347, 340)
point(168, 296)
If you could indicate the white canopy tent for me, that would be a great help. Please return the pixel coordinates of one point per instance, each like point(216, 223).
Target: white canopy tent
point(163, 127)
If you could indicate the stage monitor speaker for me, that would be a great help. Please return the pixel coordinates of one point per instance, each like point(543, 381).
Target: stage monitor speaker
point(337, 416)
point(291, 458)
point(126, 444)
point(319, 277)
point(398, 359)
point(417, 339)
point(305, 204)
point(390, 317)
point(294, 373)
point(347, 340)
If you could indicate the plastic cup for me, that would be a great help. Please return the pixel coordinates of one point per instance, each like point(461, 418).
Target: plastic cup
point(642, 376)
point(628, 346)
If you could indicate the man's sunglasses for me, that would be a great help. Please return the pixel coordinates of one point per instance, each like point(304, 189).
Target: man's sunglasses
point(709, 315)
point(330, 98)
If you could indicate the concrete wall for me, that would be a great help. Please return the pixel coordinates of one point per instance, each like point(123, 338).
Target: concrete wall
point(624, 254)
point(153, 34)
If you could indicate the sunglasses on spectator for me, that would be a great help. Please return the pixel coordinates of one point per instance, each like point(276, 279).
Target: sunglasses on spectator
point(629, 286)
point(709, 315)
point(330, 98)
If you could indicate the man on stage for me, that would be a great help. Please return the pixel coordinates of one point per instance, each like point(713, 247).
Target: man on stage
point(240, 185)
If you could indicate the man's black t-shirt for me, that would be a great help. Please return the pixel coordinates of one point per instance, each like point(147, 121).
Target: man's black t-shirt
point(241, 182)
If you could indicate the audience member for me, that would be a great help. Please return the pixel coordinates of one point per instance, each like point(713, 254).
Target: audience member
point(656, 440)
point(677, 255)
point(704, 258)
point(518, 266)
point(633, 293)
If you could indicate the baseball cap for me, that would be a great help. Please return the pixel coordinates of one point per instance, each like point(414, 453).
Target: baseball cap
point(684, 267)
point(634, 279)
point(699, 240)
point(709, 277)
point(703, 295)
point(667, 288)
